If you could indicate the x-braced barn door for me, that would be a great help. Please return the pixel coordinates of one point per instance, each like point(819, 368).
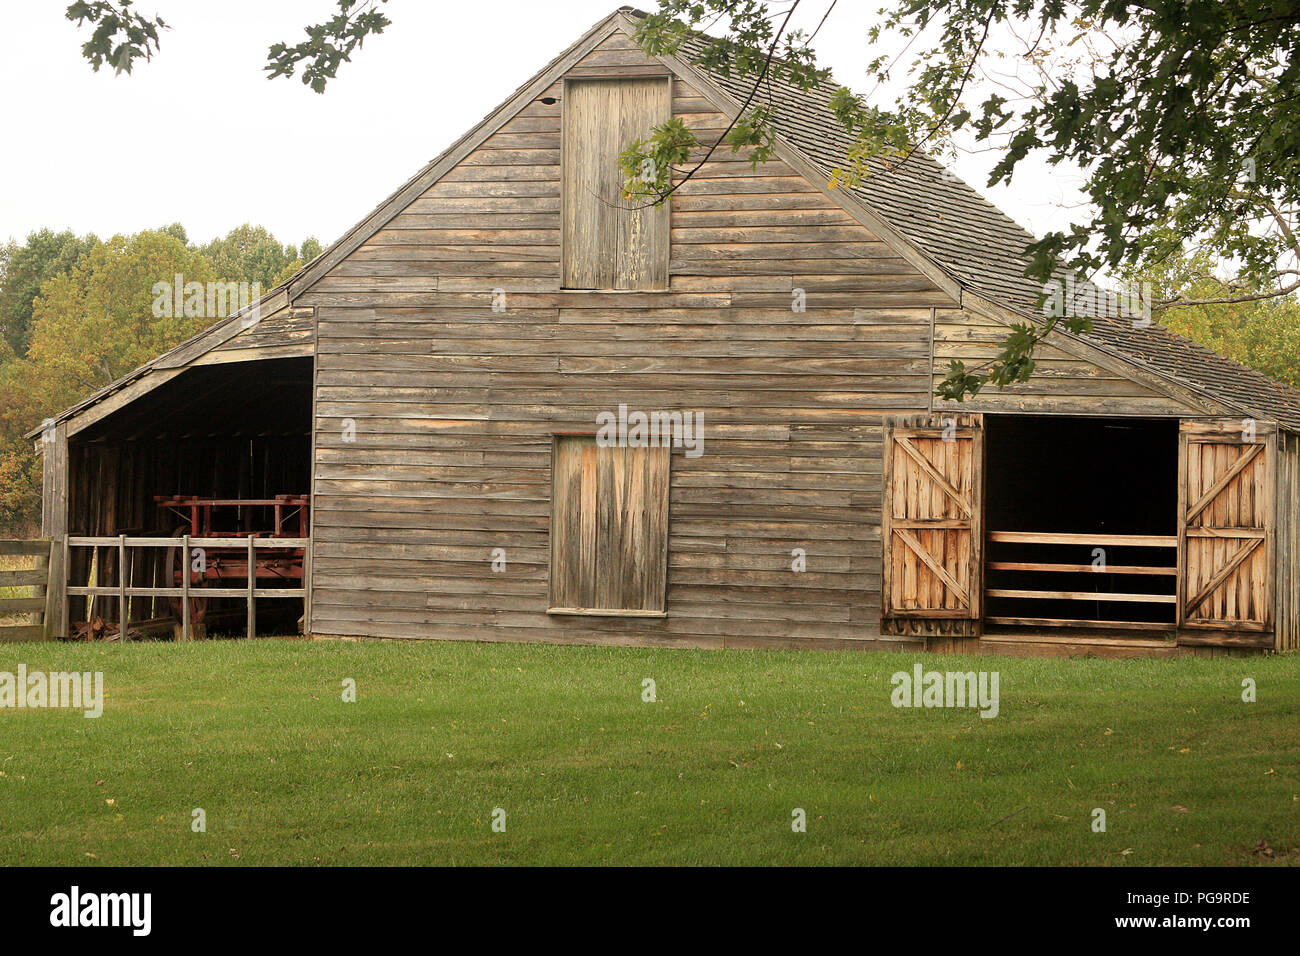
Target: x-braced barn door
point(932, 524)
point(1225, 524)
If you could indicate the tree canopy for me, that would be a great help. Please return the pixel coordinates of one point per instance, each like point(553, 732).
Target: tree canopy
point(83, 314)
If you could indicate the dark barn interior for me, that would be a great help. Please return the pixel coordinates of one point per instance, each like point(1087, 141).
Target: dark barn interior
point(1081, 476)
point(224, 431)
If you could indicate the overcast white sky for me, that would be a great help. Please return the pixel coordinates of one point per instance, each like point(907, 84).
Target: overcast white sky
point(200, 136)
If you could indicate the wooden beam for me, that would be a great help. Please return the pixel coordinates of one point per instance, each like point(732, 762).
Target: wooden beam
point(187, 633)
point(121, 588)
point(1069, 622)
point(1114, 540)
point(252, 587)
point(1077, 568)
point(1081, 596)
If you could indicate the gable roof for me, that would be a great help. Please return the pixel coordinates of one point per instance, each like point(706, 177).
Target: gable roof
point(946, 228)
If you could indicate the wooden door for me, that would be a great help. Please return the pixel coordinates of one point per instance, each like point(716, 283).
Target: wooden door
point(932, 524)
point(609, 528)
point(1225, 526)
point(609, 241)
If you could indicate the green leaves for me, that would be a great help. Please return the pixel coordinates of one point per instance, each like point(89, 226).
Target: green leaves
point(121, 36)
point(1179, 113)
point(647, 165)
point(329, 44)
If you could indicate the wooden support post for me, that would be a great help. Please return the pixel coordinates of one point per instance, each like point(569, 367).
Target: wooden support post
point(53, 589)
point(63, 627)
point(252, 585)
point(306, 589)
point(53, 446)
point(186, 634)
point(121, 588)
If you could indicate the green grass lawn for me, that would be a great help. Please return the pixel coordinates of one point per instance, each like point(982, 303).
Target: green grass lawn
point(257, 734)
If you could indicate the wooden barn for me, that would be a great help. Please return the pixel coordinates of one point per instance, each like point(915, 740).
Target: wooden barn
point(509, 405)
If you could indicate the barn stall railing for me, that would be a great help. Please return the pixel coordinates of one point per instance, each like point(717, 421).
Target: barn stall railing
point(1169, 570)
point(186, 591)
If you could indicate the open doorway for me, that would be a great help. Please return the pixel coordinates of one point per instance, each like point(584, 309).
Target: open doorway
point(219, 451)
point(1082, 521)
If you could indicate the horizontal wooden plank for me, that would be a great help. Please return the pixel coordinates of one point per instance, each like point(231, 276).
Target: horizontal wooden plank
point(1078, 623)
point(21, 604)
point(260, 544)
point(17, 633)
point(603, 612)
point(1076, 568)
point(24, 577)
point(39, 547)
point(1114, 540)
point(195, 591)
point(1081, 596)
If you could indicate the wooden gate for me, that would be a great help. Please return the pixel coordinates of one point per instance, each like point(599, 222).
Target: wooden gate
point(1225, 524)
point(24, 617)
point(932, 524)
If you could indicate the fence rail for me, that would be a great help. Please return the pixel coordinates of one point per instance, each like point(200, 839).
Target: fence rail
point(1070, 539)
point(186, 590)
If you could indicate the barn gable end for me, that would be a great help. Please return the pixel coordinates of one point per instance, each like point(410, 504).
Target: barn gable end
point(787, 325)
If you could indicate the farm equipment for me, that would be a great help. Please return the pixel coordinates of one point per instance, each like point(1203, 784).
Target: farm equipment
point(224, 566)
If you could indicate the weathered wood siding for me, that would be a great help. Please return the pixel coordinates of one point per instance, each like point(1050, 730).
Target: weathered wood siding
point(434, 414)
point(1287, 581)
point(1062, 383)
point(285, 333)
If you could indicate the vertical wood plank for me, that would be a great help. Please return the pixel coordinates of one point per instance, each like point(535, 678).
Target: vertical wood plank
point(251, 630)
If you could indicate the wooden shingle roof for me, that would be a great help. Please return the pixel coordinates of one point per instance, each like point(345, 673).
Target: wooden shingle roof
point(983, 249)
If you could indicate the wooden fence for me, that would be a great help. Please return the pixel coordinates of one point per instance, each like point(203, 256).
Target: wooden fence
point(122, 591)
point(38, 606)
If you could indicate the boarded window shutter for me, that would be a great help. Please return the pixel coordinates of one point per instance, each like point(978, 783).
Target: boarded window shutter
point(1225, 527)
point(609, 527)
point(610, 242)
point(932, 524)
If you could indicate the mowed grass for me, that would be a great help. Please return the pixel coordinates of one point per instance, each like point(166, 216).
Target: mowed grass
point(258, 736)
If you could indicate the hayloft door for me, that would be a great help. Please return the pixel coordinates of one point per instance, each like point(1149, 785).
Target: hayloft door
point(1225, 524)
point(932, 524)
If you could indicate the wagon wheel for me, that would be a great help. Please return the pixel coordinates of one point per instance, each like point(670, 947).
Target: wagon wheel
point(177, 564)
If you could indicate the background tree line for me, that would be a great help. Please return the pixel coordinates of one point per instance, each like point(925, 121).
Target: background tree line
point(76, 313)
